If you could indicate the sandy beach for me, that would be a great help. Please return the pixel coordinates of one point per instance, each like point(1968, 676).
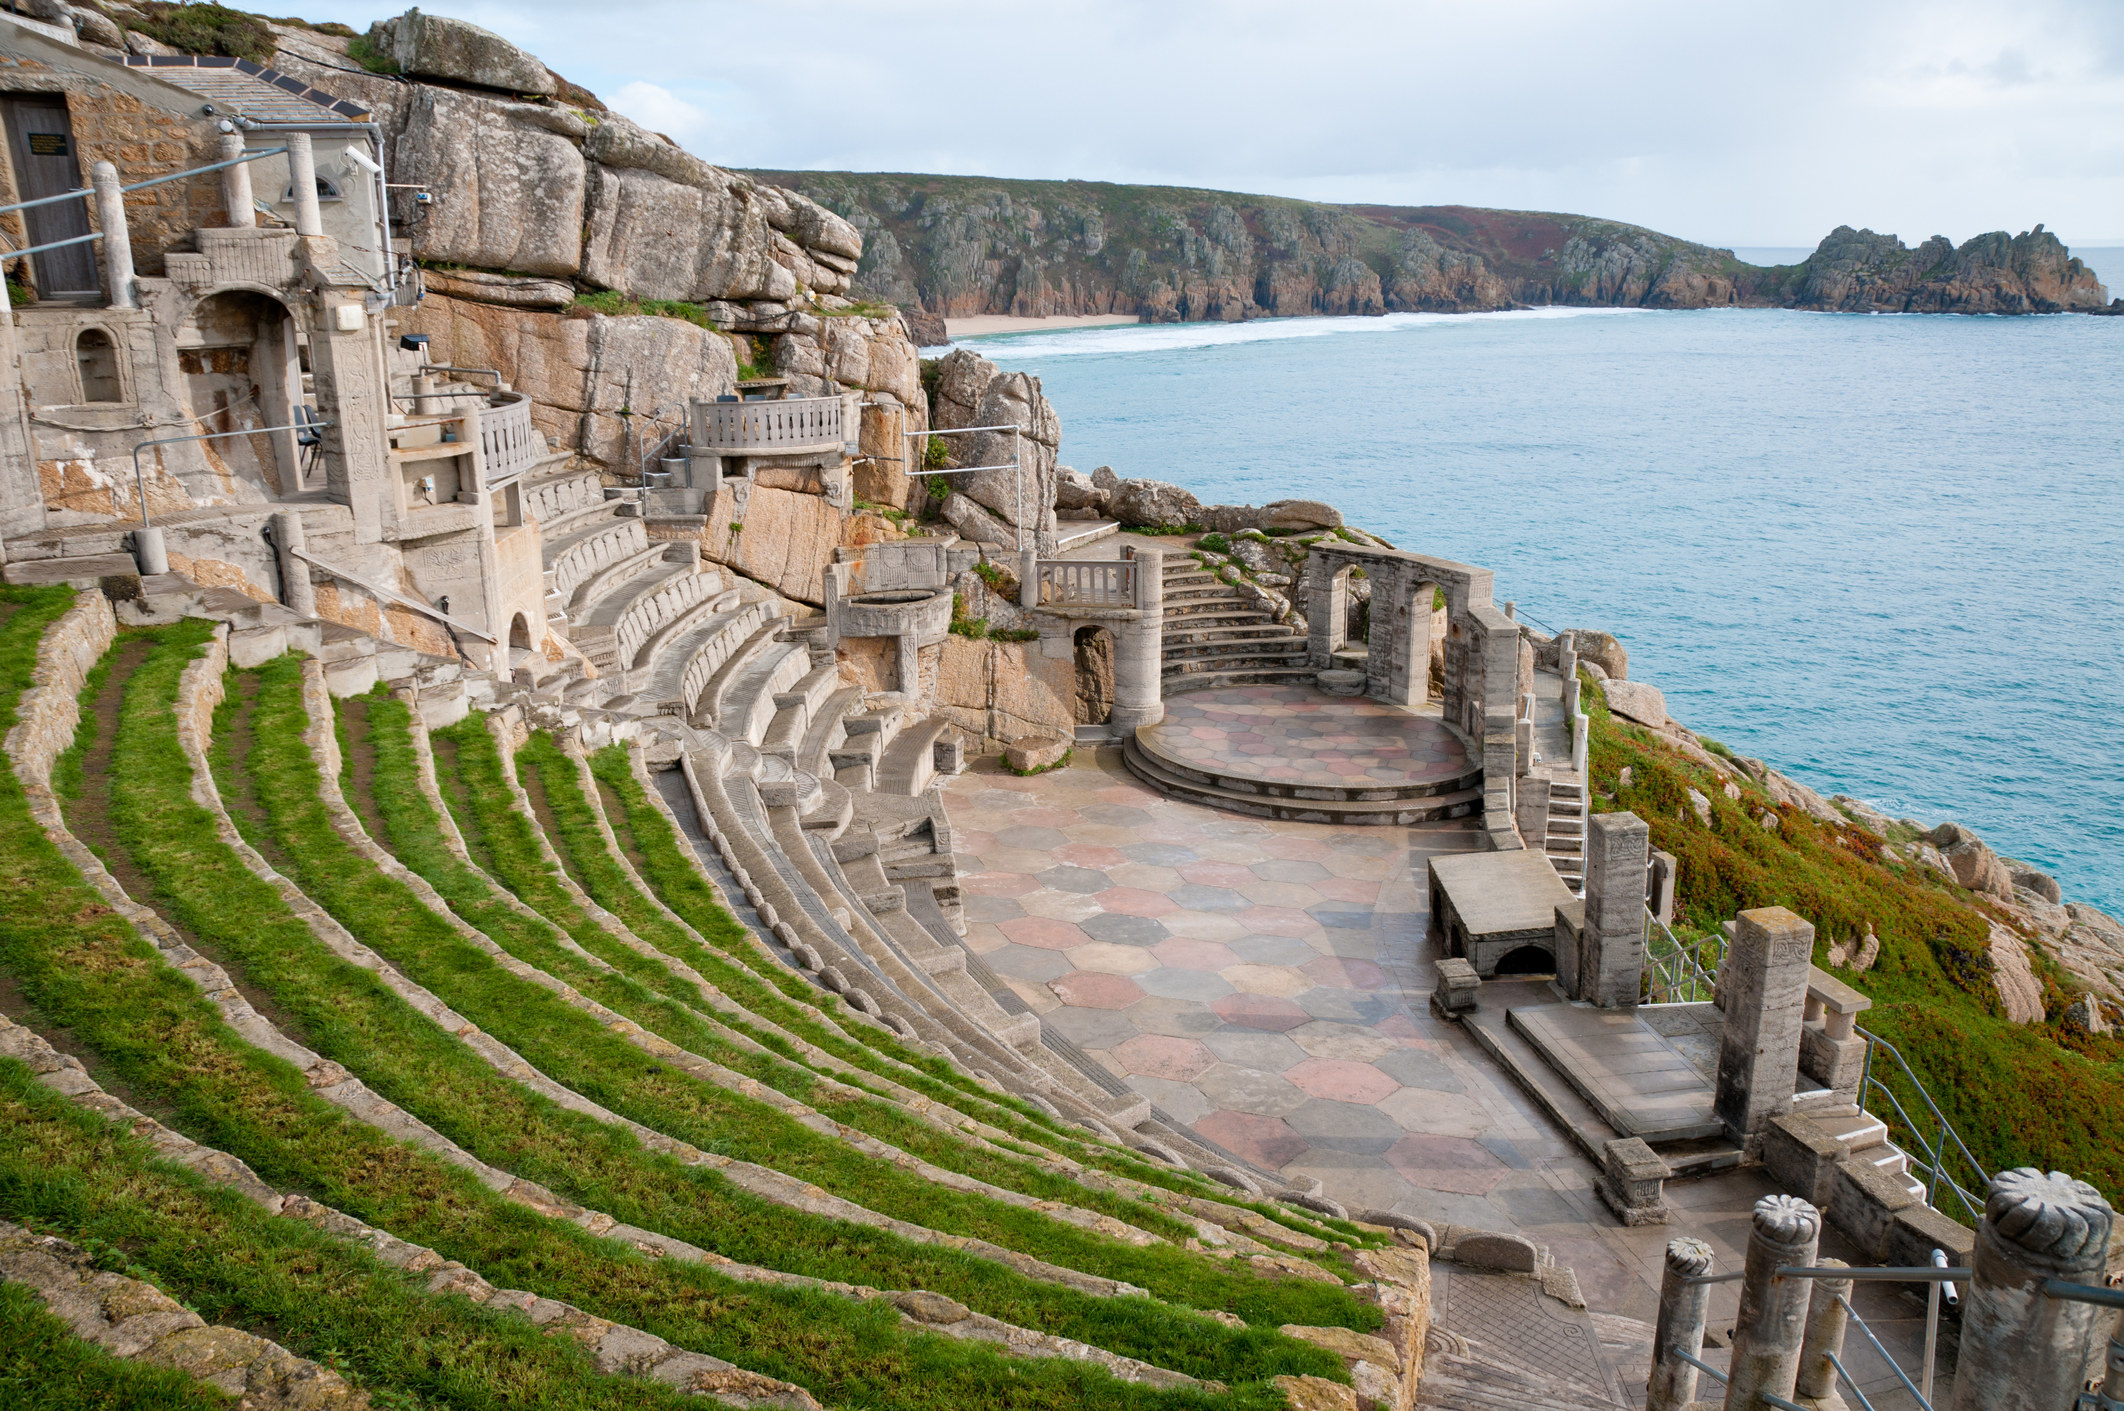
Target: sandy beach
point(1004, 323)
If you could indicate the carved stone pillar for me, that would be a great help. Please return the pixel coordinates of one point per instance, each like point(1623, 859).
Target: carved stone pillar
point(2021, 1349)
point(1773, 1310)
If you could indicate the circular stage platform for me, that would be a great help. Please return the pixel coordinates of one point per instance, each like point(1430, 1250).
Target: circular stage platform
point(1296, 752)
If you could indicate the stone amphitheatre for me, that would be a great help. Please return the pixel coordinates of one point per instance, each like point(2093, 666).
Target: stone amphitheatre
point(584, 828)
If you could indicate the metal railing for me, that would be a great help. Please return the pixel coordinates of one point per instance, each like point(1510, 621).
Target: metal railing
point(1679, 971)
point(1015, 465)
point(1090, 582)
point(1941, 1159)
point(791, 425)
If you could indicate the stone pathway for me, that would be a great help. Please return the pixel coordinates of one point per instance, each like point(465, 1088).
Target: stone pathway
point(1267, 983)
point(1296, 735)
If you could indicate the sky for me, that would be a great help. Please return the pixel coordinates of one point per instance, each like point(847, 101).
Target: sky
point(1763, 124)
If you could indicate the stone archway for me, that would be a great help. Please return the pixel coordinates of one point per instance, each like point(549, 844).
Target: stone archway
point(238, 351)
point(520, 634)
point(1094, 677)
point(1526, 960)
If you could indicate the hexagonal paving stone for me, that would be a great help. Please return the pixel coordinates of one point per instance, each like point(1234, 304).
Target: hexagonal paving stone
point(1191, 896)
point(1341, 915)
point(1294, 895)
point(1250, 1090)
point(1081, 854)
point(1124, 930)
point(1144, 876)
point(1346, 1006)
point(1158, 854)
point(1045, 816)
point(1134, 901)
point(1186, 954)
point(1350, 974)
point(1251, 1048)
point(1271, 1012)
point(1181, 1018)
point(1181, 1101)
point(1201, 986)
point(1274, 950)
point(1115, 815)
point(1113, 959)
point(1285, 869)
point(1267, 979)
point(1091, 1028)
point(1161, 1056)
point(1216, 874)
point(1094, 989)
point(999, 884)
point(1033, 838)
point(1277, 921)
point(1457, 1164)
point(1416, 1069)
point(1350, 889)
point(1070, 878)
point(1027, 962)
point(1323, 1038)
point(1266, 1141)
point(1205, 925)
point(1339, 1080)
point(1354, 1127)
point(1040, 931)
point(1058, 906)
point(987, 908)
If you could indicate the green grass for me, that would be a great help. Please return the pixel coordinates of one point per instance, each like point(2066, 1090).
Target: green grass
point(68, 1172)
point(42, 1364)
point(617, 305)
point(150, 1030)
point(2018, 1095)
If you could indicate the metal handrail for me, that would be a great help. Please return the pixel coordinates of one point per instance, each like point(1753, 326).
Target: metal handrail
point(1675, 975)
point(83, 193)
point(1893, 1366)
point(1016, 463)
point(1936, 1151)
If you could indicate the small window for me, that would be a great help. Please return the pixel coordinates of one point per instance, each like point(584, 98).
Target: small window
point(326, 191)
point(97, 358)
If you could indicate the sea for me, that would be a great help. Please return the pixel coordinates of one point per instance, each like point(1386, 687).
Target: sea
point(1883, 553)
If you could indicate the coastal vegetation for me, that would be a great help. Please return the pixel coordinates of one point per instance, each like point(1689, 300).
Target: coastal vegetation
point(2046, 1093)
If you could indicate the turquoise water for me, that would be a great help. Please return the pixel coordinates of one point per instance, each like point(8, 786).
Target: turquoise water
point(1883, 553)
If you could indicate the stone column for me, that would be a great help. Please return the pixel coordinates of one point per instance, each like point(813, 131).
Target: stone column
point(1763, 986)
point(21, 495)
point(296, 589)
point(302, 175)
point(1612, 969)
point(117, 238)
point(1530, 810)
point(1682, 1306)
point(1773, 1310)
point(236, 184)
point(1029, 579)
point(1139, 650)
point(1327, 606)
point(2023, 1350)
point(1661, 887)
point(1826, 1321)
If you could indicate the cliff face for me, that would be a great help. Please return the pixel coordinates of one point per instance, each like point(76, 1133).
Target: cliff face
point(958, 246)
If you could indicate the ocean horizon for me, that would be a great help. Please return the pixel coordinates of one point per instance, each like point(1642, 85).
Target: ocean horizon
point(1877, 551)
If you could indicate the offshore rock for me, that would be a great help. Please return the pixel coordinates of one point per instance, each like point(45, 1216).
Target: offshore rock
point(1155, 504)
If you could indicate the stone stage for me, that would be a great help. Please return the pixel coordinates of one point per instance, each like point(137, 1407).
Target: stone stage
point(1297, 753)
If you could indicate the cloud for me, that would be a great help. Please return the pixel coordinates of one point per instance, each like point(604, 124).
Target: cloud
point(1724, 123)
point(659, 110)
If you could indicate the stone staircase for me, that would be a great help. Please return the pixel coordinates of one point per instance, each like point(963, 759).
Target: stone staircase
point(1865, 1136)
point(1216, 635)
point(1565, 838)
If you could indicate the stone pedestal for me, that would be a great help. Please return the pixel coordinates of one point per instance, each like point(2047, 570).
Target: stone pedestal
point(1763, 989)
point(1682, 1306)
point(1611, 966)
point(1457, 986)
point(1633, 1182)
point(2021, 1349)
point(1772, 1322)
point(1826, 1321)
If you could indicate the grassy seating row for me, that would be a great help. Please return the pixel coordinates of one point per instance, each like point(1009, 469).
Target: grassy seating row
point(573, 1048)
point(153, 1031)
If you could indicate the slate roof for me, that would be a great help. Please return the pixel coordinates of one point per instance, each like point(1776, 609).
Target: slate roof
point(250, 90)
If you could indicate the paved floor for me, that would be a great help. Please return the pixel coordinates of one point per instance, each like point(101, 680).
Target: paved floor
point(1298, 735)
point(1268, 984)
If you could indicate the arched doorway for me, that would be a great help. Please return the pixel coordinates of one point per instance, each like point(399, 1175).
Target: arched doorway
point(1094, 676)
point(238, 351)
point(1426, 625)
point(1526, 960)
point(520, 634)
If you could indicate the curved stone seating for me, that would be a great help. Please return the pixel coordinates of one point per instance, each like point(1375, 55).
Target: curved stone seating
point(614, 627)
point(574, 561)
point(910, 761)
point(682, 665)
point(749, 707)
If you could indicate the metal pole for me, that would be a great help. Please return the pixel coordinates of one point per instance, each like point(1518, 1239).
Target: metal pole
point(140, 477)
point(302, 175)
point(1932, 1325)
point(117, 240)
point(236, 183)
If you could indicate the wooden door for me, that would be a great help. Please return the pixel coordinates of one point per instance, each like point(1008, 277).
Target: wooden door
point(41, 142)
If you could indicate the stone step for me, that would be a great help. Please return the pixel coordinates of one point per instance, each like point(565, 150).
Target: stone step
point(1174, 682)
point(1252, 649)
point(1406, 809)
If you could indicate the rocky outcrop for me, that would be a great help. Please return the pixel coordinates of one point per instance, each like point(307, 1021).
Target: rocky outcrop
point(1155, 504)
point(959, 246)
point(1975, 866)
point(432, 46)
point(968, 390)
point(512, 175)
